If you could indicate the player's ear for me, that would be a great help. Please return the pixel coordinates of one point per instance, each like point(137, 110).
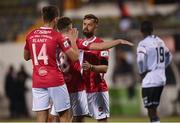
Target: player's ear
point(56, 19)
point(96, 25)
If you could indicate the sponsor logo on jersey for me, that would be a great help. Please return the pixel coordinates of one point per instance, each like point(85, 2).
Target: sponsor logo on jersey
point(42, 32)
point(42, 71)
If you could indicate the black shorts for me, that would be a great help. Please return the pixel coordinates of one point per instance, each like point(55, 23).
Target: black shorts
point(151, 96)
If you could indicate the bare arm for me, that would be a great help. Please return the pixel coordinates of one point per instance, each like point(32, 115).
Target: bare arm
point(73, 35)
point(100, 68)
point(109, 44)
point(72, 54)
point(97, 68)
point(26, 55)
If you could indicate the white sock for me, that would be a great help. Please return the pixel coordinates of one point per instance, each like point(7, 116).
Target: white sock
point(156, 122)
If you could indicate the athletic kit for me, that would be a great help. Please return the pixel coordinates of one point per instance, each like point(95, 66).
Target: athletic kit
point(96, 87)
point(73, 78)
point(152, 58)
point(48, 81)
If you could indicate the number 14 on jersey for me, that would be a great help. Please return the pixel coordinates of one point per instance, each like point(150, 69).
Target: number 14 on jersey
point(42, 54)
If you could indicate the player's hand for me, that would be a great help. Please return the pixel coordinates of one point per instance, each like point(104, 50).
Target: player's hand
point(73, 35)
point(124, 42)
point(86, 65)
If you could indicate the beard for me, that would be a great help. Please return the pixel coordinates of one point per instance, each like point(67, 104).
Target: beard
point(88, 34)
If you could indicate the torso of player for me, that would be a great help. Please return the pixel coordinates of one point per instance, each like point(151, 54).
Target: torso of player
point(94, 81)
point(43, 44)
point(72, 72)
point(155, 51)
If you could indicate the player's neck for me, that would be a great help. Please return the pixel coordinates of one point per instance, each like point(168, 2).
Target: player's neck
point(146, 35)
point(50, 25)
point(90, 37)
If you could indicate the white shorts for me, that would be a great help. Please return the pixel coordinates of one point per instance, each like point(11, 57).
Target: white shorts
point(98, 103)
point(58, 95)
point(79, 104)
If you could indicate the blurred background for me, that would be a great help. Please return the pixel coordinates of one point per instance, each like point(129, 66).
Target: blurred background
point(118, 19)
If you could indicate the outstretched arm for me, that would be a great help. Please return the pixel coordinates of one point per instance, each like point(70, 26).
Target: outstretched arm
point(109, 44)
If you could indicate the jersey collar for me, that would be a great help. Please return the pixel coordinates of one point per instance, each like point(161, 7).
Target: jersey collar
point(44, 27)
point(92, 39)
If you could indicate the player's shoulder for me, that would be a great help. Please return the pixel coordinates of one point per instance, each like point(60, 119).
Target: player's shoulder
point(30, 33)
point(56, 33)
point(60, 36)
point(160, 40)
point(147, 41)
point(142, 43)
point(98, 39)
point(79, 40)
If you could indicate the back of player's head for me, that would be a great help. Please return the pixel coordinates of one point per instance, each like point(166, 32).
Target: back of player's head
point(147, 27)
point(91, 16)
point(64, 23)
point(49, 13)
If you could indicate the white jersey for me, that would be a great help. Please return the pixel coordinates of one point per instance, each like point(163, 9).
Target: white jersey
point(152, 58)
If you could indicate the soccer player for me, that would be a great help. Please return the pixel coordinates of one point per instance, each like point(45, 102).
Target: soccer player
point(152, 59)
point(94, 66)
point(73, 75)
point(42, 46)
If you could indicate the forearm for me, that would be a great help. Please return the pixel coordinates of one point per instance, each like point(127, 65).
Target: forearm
point(99, 68)
point(142, 75)
point(72, 55)
point(104, 45)
point(109, 44)
point(26, 55)
point(168, 58)
point(74, 46)
point(141, 62)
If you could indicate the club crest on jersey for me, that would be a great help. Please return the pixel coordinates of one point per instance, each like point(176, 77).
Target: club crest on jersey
point(85, 43)
point(104, 53)
point(66, 44)
point(42, 71)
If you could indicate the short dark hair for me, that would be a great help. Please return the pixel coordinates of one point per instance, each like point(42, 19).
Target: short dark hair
point(63, 23)
point(49, 13)
point(147, 27)
point(91, 16)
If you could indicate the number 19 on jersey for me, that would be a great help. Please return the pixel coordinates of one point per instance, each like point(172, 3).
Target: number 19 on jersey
point(160, 54)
